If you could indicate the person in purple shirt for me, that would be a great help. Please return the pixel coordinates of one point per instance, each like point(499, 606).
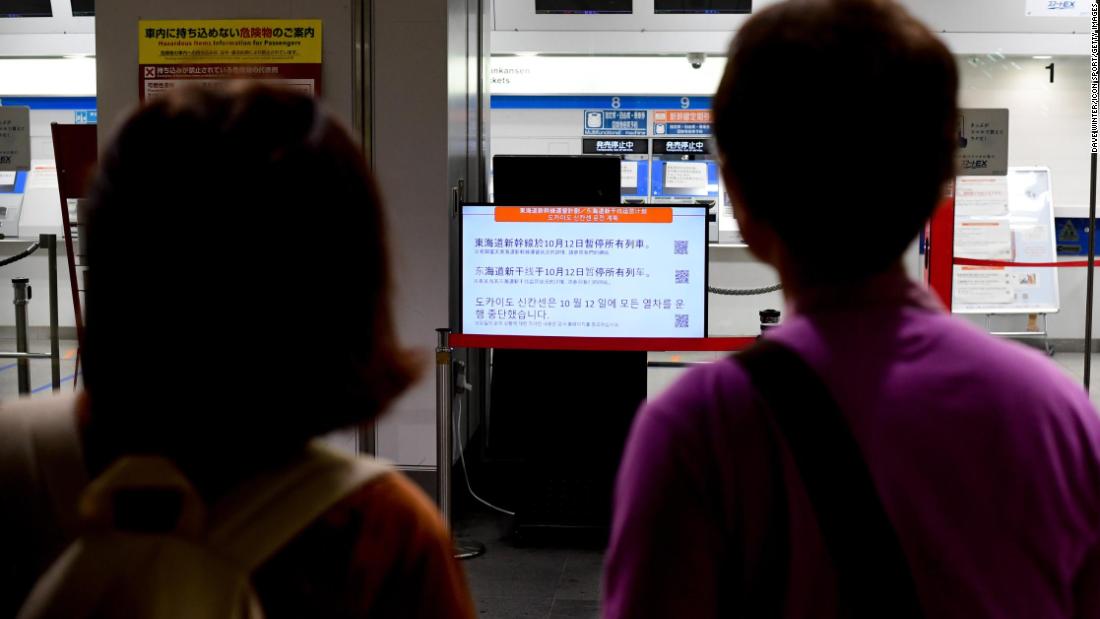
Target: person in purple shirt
point(836, 121)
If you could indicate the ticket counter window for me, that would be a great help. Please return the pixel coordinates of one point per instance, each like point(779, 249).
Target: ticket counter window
point(702, 7)
point(584, 7)
point(83, 8)
point(26, 8)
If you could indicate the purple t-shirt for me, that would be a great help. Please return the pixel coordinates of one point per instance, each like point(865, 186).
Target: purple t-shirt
point(986, 457)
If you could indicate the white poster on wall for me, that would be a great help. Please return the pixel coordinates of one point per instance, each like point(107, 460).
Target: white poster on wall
point(629, 174)
point(981, 196)
point(1059, 8)
point(1024, 233)
point(685, 175)
point(984, 240)
point(43, 175)
point(983, 286)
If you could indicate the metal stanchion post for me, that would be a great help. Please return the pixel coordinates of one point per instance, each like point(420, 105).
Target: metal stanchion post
point(50, 241)
point(22, 296)
point(445, 392)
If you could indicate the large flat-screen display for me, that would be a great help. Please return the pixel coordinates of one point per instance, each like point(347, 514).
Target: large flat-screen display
point(551, 7)
point(26, 8)
point(83, 8)
point(714, 7)
point(632, 271)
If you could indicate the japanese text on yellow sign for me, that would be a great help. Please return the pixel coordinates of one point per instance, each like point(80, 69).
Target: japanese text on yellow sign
point(229, 41)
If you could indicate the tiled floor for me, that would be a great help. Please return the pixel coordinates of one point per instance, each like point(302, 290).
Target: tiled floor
point(39, 369)
point(1074, 365)
point(537, 580)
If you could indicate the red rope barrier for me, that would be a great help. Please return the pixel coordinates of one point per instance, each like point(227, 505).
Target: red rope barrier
point(971, 262)
point(660, 344)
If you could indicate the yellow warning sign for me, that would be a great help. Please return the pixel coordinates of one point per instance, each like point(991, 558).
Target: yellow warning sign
point(229, 41)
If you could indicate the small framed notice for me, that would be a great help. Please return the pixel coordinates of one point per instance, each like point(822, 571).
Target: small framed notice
point(983, 142)
point(15, 138)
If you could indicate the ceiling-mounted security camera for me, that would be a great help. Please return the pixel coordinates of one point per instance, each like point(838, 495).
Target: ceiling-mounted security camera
point(696, 59)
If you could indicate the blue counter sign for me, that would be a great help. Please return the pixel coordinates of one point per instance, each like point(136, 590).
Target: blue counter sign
point(616, 122)
point(683, 129)
point(86, 117)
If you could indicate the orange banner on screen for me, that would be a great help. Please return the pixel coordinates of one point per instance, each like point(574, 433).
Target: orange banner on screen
point(584, 214)
point(683, 116)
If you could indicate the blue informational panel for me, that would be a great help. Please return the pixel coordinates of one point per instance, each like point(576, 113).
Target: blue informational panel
point(1072, 236)
point(596, 102)
point(616, 122)
point(86, 117)
point(51, 103)
point(685, 179)
point(623, 272)
point(19, 186)
point(677, 129)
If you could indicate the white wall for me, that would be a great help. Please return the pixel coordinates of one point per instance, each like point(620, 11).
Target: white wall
point(40, 208)
point(998, 16)
point(410, 157)
point(425, 139)
point(62, 76)
point(1049, 125)
point(59, 35)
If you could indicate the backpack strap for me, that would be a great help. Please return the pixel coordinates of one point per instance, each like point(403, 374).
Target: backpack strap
point(873, 574)
point(41, 475)
point(58, 457)
point(241, 532)
point(254, 522)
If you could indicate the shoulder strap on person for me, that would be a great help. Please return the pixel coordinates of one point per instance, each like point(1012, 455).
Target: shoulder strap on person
point(255, 522)
point(60, 457)
point(139, 560)
point(41, 445)
point(874, 576)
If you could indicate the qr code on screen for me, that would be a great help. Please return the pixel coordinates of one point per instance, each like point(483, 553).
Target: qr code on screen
point(682, 321)
point(680, 248)
point(682, 277)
